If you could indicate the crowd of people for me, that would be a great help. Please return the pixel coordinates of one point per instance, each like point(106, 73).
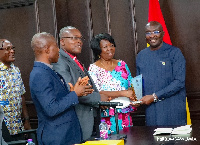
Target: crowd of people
point(67, 108)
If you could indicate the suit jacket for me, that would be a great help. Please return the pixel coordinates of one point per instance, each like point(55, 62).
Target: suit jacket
point(85, 110)
point(58, 122)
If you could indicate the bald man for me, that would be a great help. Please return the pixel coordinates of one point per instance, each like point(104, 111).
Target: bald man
point(163, 69)
point(58, 122)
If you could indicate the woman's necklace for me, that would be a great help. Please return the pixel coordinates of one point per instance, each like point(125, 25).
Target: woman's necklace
point(104, 65)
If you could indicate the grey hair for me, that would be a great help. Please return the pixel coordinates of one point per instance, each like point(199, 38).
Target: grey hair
point(65, 29)
point(39, 40)
point(4, 40)
point(1, 42)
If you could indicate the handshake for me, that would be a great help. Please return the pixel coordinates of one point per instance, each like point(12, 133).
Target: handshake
point(82, 87)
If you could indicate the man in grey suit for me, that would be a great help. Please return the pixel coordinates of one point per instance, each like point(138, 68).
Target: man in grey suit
point(71, 69)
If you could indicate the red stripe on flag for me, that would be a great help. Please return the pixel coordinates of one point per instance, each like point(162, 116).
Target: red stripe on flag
point(155, 14)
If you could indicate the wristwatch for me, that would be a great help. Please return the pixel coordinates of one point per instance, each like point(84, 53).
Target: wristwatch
point(155, 98)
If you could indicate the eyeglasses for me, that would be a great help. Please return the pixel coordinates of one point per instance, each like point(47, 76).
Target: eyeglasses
point(7, 48)
point(76, 38)
point(154, 32)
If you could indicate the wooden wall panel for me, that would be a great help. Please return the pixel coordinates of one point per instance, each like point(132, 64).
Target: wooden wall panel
point(98, 16)
point(122, 31)
point(142, 7)
point(18, 26)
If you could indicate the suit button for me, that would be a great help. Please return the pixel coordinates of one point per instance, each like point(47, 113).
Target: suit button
point(91, 108)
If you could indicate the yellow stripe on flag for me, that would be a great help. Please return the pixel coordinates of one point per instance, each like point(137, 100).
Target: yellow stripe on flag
point(188, 113)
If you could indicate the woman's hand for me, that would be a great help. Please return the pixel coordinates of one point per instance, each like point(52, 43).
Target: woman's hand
point(130, 94)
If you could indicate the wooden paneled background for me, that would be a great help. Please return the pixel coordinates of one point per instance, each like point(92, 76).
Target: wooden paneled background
point(123, 19)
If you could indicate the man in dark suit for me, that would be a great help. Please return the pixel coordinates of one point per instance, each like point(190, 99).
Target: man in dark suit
point(58, 122)
point(71, 69)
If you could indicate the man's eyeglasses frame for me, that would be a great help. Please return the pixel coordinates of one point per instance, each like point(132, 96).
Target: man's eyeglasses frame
point(76, 38)
point(154, 32)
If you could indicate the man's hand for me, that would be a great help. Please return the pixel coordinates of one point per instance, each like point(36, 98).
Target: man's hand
point(81, 89)
point(135, 104)
point(148, 99)
point(88, 90)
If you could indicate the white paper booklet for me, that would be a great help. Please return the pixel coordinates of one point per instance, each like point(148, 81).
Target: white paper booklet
point(178, 130)
point(182, 130)
point(159, 131)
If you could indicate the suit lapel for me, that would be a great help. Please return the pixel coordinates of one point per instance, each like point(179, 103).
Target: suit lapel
point(71, 61)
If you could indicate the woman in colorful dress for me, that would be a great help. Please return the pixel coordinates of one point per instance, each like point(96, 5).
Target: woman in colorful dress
point(113, 78)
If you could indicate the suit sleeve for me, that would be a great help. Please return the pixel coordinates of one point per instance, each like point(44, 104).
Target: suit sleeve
point(51, 96)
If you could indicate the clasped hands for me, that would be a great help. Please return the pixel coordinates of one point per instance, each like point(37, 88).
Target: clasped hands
point(81, 88)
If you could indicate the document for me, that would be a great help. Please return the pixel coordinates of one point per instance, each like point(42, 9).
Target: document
point(136, 83)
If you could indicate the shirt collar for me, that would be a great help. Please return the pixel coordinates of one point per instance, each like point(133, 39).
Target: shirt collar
point(49, 65)
point(4, 67)
point(72, 56)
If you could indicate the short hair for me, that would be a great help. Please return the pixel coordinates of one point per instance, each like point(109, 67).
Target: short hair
point(1, 42)
point(95, 43)
point(65, 29)
point(4, 40)
point(153, 23)
point(40, 40)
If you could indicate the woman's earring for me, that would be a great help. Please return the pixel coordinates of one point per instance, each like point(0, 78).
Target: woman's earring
point(99, 56)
